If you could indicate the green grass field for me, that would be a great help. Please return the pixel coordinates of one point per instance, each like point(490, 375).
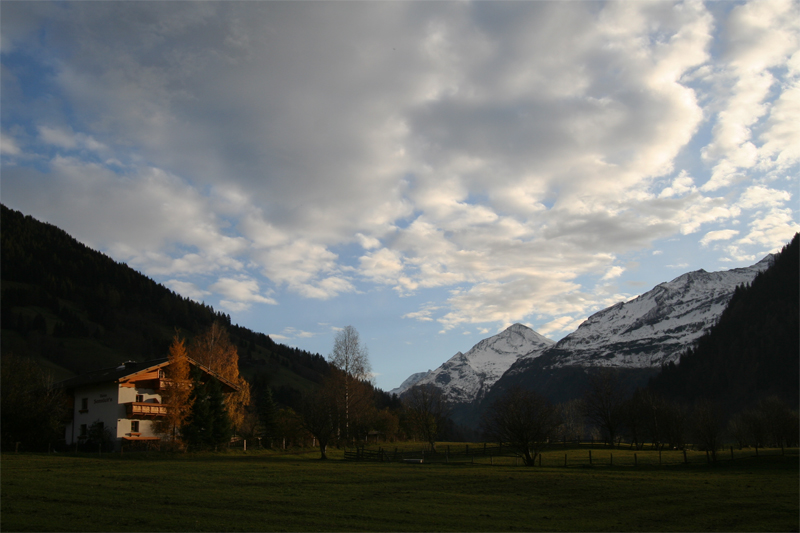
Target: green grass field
point(272, 491)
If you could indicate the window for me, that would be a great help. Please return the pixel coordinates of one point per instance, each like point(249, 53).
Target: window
point(134, 426)
point(84, 405)
point(139, 398)
point(84, 432)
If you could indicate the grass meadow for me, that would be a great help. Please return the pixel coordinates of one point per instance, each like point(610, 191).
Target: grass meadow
point(278, 491)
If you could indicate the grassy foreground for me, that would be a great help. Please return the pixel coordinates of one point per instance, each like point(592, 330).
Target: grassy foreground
point(267, 491)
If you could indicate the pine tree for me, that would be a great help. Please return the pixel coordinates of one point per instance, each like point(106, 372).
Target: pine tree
point(198, 424)
point(267, 414)
point(208, 427)
point(221, 430)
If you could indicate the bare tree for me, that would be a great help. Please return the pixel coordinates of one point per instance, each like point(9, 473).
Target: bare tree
point(604, 402)
point(352, 358)
point(572, 426)
point(524, 419)
point(318, 416)
point(426, 412)
point(706, 423)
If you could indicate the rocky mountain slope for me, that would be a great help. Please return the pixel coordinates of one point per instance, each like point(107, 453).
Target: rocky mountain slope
point(466, 377)
point(636, 337)
point(654, 328)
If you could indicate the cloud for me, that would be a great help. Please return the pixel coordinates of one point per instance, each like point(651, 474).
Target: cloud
point(760, 196)
point(8, 145)
point(187, 289)
point(499, 151)
point(561, 324)
point(239, 293)
point(759, 37)
point(720, 235)
point(613, 272)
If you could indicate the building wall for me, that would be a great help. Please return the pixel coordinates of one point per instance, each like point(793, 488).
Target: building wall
point(146, 427)
point(106, 402)
point(101, 402)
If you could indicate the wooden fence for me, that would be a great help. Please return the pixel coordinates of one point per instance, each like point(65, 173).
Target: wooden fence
point(497, 455)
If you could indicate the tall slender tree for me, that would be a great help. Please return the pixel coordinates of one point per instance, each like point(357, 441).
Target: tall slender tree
point(177, 394)
point(352, 358)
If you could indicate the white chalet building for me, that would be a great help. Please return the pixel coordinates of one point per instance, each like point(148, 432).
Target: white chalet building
point(126, 399)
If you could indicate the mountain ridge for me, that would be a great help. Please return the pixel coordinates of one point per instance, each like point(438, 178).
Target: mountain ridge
point(467, 376)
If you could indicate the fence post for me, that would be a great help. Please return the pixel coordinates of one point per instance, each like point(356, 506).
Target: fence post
point(685, 461)
point(708, 459)
point(245, 444)
point(611, 463)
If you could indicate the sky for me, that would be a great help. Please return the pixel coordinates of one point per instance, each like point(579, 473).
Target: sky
point(427, 172)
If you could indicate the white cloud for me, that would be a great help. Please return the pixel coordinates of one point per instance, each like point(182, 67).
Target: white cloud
point(497, 150)
point(759, 37)
point(8, 145)
point(613, 272)
point(720, 235)
point(565, 324)
point(187, 289)
point(759, 196)
point(240, 292)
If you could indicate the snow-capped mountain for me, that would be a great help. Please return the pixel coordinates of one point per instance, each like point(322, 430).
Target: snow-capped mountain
point(656, 327)
point(635, 337)
point(410, 381)
point(466, 377)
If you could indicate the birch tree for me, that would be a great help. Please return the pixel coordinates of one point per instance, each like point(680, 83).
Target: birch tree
point(352, 359)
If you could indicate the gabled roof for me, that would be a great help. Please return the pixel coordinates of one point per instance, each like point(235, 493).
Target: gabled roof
point(130, 369)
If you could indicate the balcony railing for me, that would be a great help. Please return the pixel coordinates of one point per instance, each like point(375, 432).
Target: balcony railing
point(145, 410)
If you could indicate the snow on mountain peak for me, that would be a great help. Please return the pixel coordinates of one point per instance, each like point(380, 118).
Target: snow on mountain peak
point(657, 326)
point(466, 377)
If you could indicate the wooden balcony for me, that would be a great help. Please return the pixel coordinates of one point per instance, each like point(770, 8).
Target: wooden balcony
point(145, 410)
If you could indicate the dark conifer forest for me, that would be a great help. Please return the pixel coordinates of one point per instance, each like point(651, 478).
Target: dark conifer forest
point(752, 352)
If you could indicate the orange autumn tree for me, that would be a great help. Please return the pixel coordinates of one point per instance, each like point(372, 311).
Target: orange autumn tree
point(177, 393)
point(214, 349)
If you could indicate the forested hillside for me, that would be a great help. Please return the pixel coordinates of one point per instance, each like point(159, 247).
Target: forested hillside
point(75, 310)
point(753, 351)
